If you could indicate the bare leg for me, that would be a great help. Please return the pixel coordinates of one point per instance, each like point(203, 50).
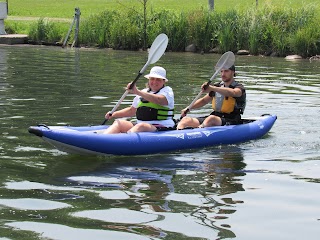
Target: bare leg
point(188, 122)
point(211, 121)
point(119, 126)
point(142, 127)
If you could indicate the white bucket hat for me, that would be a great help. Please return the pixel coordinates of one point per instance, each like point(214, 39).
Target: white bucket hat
point(157, 72)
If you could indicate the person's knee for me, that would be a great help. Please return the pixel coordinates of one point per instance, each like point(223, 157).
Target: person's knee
point(118, 122)
point(124, 125)
point(138, 128)
point(141, 127)
point(185, 122)
point(119, 126)
point(212, 121)
point(182, 122)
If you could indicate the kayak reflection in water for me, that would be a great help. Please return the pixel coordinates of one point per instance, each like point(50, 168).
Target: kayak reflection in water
point(153, 106)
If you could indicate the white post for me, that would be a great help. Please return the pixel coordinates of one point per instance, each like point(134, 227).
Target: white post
point(211, 5)
point(3, 15)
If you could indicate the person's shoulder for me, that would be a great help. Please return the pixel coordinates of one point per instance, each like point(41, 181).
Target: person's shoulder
point(167, 88)
point(237, 84)
point(145, 90)
point(168, 92)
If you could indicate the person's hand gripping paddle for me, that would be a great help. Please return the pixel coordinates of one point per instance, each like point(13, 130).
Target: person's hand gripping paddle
point(157, 49)
point(225, 62)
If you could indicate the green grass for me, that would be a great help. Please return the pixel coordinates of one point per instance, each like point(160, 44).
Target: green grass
point(281, 27)
point(65, 8)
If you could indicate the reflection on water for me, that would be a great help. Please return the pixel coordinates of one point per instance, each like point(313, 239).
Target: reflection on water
point(117, 215)
point(214, 193)
point(175, 195)
point(32, 204)
point(57, 231)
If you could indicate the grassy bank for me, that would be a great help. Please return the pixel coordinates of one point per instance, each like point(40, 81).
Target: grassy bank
point(265, 29)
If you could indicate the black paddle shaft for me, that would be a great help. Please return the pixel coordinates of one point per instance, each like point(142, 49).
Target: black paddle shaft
point(130, 87)
point(135, 80)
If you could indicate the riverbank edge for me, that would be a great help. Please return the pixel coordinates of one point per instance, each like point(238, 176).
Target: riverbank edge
point(21, 40)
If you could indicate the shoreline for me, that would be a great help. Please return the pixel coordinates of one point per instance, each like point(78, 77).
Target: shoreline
point(21, 40)
point(293, 57)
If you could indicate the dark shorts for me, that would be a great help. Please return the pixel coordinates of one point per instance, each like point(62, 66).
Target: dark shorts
point(163, 128)
point(224, 120)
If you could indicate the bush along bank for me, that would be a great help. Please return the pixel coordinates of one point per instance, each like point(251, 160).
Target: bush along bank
point(265, 31)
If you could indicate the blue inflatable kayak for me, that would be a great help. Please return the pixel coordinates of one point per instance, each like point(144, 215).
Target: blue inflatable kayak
point(88, 140)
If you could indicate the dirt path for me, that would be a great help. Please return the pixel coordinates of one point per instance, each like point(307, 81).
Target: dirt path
point(18, 18)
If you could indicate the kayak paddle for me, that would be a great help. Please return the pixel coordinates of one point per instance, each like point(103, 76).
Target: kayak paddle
point(157, 49)
point(225, 62)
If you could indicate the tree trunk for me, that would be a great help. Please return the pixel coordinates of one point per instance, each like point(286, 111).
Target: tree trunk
point(145, 24)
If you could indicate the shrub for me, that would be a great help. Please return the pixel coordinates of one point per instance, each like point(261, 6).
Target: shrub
point(45, 31)
point(306, 41)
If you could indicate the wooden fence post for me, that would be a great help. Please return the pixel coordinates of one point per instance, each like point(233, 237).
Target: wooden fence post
point(76, 32)
point(76, 20)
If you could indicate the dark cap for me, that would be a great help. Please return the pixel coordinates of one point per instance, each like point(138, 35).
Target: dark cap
point(232, 68)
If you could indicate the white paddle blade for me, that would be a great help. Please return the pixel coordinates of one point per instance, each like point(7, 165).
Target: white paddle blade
point(226, 61)
point(158, 48)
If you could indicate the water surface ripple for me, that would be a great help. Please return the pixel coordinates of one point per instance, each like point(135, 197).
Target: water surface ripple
point(263, 189)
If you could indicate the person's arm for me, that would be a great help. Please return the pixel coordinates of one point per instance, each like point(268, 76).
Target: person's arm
point(201, 102)
point(126, 112)
point(198, 104)
point(225, 91)
point(154, 98)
